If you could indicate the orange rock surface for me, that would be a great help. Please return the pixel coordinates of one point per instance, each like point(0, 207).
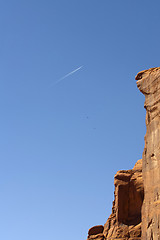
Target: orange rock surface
point(148, 82)
point(125, 220)
point(136, 208)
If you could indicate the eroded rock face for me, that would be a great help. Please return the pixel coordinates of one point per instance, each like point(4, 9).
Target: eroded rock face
point(136, 209)
point(148, 82)
point(96, 232)
point(125, 220)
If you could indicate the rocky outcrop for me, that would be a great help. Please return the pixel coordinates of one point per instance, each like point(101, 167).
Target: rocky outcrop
point(96, 232)
point(125, 220)
point(148, 82)
point(136, 208)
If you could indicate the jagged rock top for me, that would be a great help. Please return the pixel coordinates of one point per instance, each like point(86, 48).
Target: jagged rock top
point(138, 165)
point(149, 71)
point(147, 80)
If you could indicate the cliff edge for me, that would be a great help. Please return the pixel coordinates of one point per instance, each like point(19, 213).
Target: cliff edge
point(148, 82)
point(136, 206)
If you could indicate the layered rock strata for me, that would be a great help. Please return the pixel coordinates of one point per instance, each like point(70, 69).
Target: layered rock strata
point(148, 82)
point(125, 220)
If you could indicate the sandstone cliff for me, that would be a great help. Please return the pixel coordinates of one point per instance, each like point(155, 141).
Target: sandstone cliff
point(125, 220)
point(136, 208)
point(148, 82)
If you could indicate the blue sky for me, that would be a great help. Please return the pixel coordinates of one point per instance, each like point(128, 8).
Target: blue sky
point(61, 144)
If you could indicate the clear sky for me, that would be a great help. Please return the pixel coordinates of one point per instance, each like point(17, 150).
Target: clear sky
point(62, 141)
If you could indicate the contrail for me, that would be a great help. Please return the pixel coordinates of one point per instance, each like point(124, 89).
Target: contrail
point(67, 75)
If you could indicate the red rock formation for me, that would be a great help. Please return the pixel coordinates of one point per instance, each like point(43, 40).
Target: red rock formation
point(135, 207)
point(96, 232)
point(125, 220)
point(148, 82)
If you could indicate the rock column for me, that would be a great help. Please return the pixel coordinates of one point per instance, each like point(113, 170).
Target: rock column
point(148, 82)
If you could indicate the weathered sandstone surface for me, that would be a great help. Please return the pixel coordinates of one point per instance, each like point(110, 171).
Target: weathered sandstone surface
point(136, 208)
point(125, 220)
point(148, 82)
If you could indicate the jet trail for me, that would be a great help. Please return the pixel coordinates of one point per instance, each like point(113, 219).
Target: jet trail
point(67, 75)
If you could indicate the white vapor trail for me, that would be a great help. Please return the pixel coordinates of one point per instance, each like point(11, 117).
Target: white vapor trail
point(67, 75)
